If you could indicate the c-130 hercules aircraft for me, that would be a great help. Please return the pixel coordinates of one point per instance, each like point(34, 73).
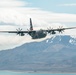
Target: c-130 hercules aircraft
point(37, 34)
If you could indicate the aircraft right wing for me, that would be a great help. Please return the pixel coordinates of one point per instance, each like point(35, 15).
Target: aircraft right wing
point(59, 30)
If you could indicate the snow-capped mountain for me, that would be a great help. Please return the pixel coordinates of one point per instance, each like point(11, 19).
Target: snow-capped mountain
point(57, 54)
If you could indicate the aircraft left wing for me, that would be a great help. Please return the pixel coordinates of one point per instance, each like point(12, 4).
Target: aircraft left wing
point(21, 33)
point(14, 31)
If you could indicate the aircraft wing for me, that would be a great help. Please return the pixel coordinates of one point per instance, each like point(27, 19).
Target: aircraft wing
point(20, 33)
point(16, 31)
point(59, 29)
point(11, 31)
point(52, 31)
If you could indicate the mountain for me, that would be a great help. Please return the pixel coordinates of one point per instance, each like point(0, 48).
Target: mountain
point(57, 54)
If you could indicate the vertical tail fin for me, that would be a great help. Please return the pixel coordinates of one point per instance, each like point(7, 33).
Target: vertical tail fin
point(31, 26)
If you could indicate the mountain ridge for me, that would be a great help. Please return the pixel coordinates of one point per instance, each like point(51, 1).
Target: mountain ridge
point(56, 56)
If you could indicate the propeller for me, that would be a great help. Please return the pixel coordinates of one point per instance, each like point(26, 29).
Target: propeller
point(19, 31)
point(49, 29)
point(60, 29)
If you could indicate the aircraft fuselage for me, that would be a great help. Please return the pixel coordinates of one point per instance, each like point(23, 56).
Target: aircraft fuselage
point(38, 34)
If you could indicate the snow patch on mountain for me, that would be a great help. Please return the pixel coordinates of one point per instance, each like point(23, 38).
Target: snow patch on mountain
point(59, 38)
point(72, 41)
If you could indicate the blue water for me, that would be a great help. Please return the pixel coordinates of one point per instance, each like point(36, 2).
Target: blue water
point(23, 73)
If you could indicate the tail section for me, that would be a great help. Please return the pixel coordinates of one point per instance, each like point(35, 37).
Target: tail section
point(31, 26)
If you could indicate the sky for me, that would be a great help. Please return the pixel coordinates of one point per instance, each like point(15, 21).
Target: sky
point(59, 6)
point(44, 14)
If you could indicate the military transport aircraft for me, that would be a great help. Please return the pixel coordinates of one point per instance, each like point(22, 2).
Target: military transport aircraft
point(37, 34)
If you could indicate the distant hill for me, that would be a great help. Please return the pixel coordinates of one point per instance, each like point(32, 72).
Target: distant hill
point(57, 54)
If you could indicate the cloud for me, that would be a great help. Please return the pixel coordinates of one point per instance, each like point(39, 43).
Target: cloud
point(12, 17)
point(72, 4)
point(20, 16)
point(12, 3)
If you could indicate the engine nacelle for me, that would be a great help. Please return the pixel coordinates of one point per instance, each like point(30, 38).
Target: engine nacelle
point(53, 32)
point(22, 34)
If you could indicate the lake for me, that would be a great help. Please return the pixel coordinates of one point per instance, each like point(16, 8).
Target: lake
point(24, 73)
